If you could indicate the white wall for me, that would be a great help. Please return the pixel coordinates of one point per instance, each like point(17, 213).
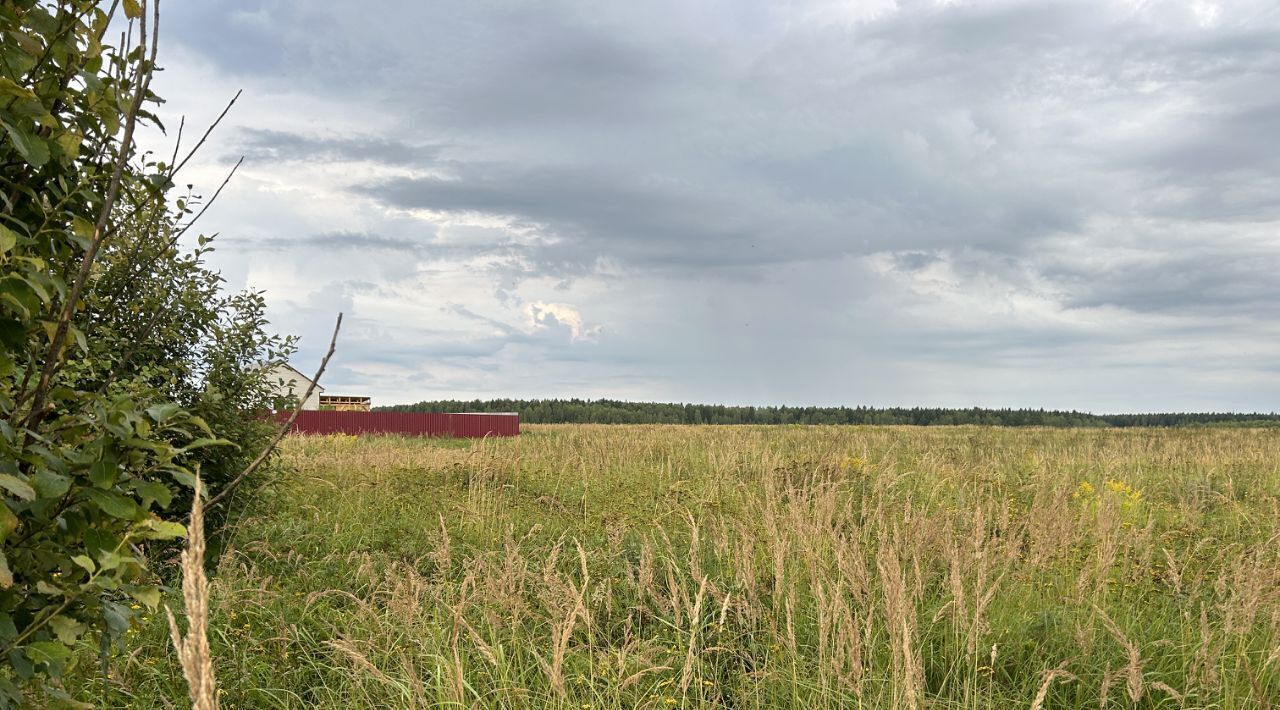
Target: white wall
point(284, 382)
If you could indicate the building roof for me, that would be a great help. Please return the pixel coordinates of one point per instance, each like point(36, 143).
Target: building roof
point(305, 379)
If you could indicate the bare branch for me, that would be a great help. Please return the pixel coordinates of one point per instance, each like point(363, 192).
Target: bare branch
point(284, 428)
point(177, 143)
point(176, 168)
point(208, 203)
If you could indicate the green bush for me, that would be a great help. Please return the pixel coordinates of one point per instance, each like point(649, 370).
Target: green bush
point(125, 369)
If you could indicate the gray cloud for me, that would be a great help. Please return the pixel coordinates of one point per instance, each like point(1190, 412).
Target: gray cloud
point(753, 201)
point(332, 240)
point(260, 144)
point(1212, 284)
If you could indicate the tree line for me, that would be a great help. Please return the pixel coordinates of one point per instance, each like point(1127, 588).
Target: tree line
point(611, 411)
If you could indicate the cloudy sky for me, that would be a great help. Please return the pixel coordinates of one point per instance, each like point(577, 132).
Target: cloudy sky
point(1042, 204)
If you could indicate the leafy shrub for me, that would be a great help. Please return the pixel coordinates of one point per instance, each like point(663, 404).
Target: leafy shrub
point(124, 368)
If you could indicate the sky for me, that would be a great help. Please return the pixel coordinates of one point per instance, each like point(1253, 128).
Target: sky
point(1049, 204)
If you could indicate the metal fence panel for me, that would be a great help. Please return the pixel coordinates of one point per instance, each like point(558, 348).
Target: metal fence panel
point(407, 423)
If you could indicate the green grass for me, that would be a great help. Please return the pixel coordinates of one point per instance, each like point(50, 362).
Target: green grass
point(746, 567)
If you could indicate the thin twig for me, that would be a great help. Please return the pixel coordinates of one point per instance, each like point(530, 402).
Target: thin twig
point(196, 148)
point(177, 143)
point(209, 203)
point(284, 428)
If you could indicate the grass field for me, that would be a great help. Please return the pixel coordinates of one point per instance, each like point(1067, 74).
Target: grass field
point(748, 567)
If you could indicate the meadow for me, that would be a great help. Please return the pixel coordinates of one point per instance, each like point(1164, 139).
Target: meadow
point(591, 566)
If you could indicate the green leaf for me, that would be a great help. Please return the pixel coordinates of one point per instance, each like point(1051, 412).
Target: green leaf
point(155, 490)
point(8, 239)
point(114, 504)
point(78, 336)
point(36, 111)
point(200, 422)
point(42, 21)
point(32, 147)
point(66, 629)
point(109, 560)
point(8, 522)
point(183, 476)
point(17, 486)
point(51, 653)
point(103, 472)
point(117, 616)
point(85, 562)
point(10, 88)
point(166, 530)
point(21, 664)
point(83, 229)
point(70, 142)
point(147, 595)
point(40, 290)
point(49, 484)
point(132, 9)
point(8, 629)
point(202, 443)
point(6, 576)
point(29, 44)
point(162, 412)
point(18, 291)
point(48, 651)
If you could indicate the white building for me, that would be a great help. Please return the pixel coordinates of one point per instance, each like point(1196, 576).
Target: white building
point(288, 382)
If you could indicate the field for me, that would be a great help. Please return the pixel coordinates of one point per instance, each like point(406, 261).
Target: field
point(747, 567)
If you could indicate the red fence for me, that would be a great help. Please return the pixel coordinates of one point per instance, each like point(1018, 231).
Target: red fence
point(408, 423)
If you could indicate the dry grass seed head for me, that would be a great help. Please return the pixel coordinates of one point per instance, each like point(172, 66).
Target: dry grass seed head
point(193, 648)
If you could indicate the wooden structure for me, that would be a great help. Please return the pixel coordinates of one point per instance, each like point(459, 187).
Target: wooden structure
point(344, 403)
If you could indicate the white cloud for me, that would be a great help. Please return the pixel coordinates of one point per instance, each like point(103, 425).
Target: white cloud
point(548, 316)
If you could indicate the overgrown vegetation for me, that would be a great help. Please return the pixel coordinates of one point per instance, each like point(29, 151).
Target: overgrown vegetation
point(749, 567)
point(574, 566)
point(611, 411)
point(124, 368)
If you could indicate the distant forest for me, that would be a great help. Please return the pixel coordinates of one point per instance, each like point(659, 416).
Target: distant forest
point(609, 411)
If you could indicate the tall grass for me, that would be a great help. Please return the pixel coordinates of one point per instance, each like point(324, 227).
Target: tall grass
point(750, 567)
